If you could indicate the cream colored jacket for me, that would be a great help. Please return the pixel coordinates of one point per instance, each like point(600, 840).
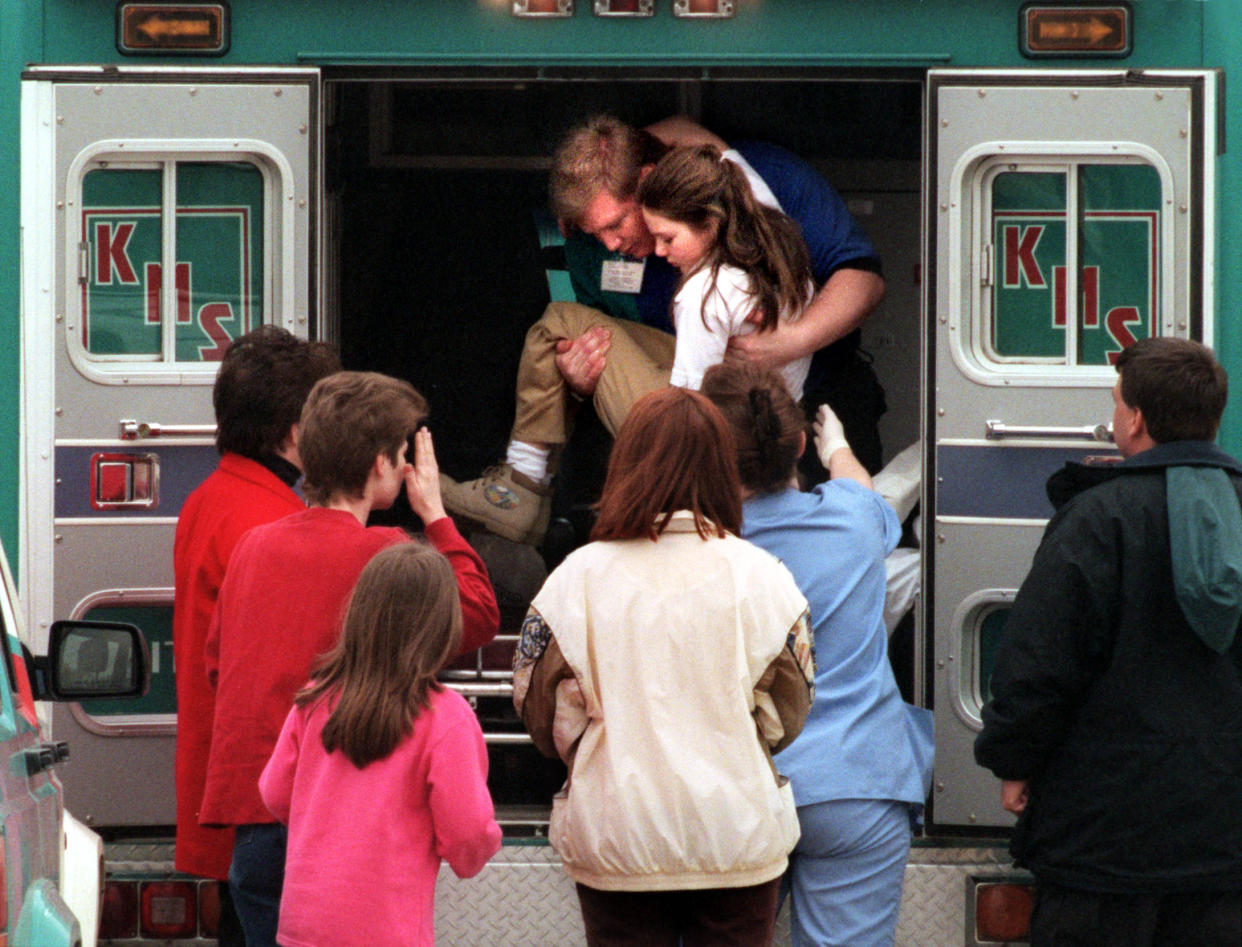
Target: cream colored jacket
point(665, 674)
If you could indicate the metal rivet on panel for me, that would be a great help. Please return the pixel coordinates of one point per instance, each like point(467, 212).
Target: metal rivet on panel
point(1181, 208)
point(1183, 133)
point(302, 129)
point(1159, 96)
point(944, 123)
point(983, 93)
point(940, 411)
point(940, 538)
point(58, 538)
point(99, 90)
point(193, 90)
point(302, 202)
point(1074, 94)
point(973, 817)
point(60, 205)
point(60, 119)
point(59, 411)
point(279, 92)
point(939, 787)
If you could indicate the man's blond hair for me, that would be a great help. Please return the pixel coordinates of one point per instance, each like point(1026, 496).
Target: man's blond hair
point(604, 154)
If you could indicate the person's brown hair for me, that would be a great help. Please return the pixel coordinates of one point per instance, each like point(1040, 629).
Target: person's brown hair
point(1178, 385)
point(402, 626)
point(603, 154)
point(695, 186)
point(766, 421)
point(674, 452)
point(350, 419)
point(263, 382)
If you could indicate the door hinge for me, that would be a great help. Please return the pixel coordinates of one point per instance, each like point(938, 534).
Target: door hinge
point(84, 250)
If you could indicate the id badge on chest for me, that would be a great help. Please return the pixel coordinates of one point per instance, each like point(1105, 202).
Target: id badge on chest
point(622, 276)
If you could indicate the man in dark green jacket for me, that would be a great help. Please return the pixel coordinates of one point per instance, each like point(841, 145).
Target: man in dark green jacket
point(1115, 722)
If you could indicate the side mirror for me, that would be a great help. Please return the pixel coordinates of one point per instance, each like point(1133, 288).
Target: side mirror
point(89, 660)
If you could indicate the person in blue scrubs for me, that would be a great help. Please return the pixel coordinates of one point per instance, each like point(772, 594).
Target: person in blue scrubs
point(861, 767)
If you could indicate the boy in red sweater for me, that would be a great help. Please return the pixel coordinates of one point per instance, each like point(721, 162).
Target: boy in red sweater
point(283, 598)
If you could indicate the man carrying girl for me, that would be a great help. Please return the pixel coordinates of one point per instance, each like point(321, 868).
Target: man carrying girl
point(619, 356)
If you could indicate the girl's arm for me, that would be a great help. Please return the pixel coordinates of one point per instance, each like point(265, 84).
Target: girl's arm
point(461, 808)
point(276, 781)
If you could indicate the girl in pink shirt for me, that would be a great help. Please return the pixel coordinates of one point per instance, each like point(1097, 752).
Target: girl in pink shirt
point(380, 772)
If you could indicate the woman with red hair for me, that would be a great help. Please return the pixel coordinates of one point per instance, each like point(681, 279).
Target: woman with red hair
point(665, 662)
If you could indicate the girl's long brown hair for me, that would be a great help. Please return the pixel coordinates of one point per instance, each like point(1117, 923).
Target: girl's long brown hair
point(403, 624)
point(674, 452)
point(695, 187)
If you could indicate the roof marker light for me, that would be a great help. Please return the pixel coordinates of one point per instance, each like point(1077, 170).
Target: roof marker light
point(1049, 30)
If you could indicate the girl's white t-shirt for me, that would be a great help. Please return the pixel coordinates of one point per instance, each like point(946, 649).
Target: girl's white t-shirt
point(701, 340)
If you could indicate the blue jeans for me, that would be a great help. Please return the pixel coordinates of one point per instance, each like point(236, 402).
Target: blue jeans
point(255, 879)
point(846, 873)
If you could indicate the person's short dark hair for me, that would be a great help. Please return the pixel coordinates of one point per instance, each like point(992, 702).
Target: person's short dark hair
point(766, 421)
point(1178, 385)
point(674, 452)
point(263, 382)
point(349, 420)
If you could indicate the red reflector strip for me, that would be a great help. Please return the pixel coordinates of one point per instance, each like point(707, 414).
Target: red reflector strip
point(1003, 912)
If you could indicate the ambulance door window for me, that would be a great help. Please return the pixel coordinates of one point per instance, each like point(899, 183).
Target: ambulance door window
point(1072, 272)
point(131, 237)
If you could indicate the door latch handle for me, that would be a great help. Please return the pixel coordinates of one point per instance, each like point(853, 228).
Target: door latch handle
point(998, 430)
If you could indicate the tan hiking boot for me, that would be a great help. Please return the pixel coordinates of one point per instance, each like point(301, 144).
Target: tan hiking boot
point(502, 501)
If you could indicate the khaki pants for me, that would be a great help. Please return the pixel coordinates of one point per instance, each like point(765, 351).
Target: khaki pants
point(638, 362)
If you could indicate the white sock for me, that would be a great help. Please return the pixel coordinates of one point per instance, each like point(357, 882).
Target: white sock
point(529, 460)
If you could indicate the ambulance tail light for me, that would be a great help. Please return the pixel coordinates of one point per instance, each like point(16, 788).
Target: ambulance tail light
point(1003, 912)
point(209, 908)
point(119, 917)
point(169, 908)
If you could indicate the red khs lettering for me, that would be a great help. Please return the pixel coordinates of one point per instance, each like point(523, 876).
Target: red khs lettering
point(1117, 319)
point(209, 316)
point(154, 274)
point(1090, 297)
point(110, 254)
point(1020, 243)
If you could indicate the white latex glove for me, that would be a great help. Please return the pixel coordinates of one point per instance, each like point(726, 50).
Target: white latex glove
point(829, 434)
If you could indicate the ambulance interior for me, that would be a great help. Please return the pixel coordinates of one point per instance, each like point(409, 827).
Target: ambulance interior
point(439, 254)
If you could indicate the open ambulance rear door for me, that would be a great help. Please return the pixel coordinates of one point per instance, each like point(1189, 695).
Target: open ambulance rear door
point(164, 212)
point(1069, 213)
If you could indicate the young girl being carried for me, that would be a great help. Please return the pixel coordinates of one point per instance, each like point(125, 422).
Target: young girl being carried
point(744, 266)
point(380, 772)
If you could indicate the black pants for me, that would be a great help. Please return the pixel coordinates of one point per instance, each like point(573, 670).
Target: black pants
point(853, 392)
point(1064, 917)
point(704, 917)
